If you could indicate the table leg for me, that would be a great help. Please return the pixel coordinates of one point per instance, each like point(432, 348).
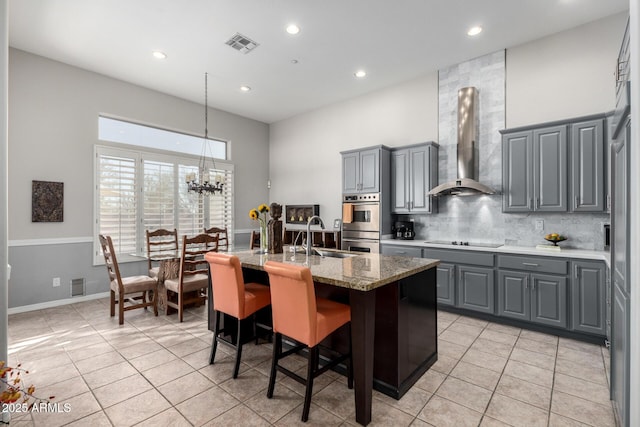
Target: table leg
point(363, 311)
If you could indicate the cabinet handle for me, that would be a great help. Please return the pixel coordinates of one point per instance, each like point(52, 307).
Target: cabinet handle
point(531, 264)
point(537, 202)
point(400, 252)
point(577, 202)
point(526, 283)
point(533, 285)
point(530, 202)
point(575, 271)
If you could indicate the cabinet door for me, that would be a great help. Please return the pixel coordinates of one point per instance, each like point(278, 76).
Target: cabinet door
point(620, 211)
point(475, 287)
point(549, 300)
point(514, 298)
point(394, 250)
point(620, 353)
point(350, 172)
point(370, 171)
point(400, 181)
point(419, 179)
point(516, 172)
point(588, 299)
point(550, 169)
point(587, 167)
point(446, 282)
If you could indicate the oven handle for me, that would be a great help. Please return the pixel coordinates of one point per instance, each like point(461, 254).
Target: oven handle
point(361, 240)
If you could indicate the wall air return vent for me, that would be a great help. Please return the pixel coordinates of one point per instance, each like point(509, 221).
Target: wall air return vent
point(77, 287)
point(242, 43)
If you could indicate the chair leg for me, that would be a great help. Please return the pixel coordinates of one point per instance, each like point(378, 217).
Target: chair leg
point(155, 302)
point(311, 369)
point(277, 349)
point(238, 351)
point(214, 343)
point(350, 363)
point(112, 303)
point(121, 309)
point(180, 306)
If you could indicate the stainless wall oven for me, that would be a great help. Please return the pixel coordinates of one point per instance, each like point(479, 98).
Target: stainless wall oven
point(361, 222)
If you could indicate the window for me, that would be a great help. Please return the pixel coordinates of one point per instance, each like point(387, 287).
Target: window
point(139, 190)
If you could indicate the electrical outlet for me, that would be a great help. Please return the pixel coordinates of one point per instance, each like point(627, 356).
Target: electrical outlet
point(56, 282)
point(539, 224)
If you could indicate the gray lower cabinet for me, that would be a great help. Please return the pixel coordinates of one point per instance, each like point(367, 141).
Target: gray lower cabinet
point(588, 297)
point(534, 297)
point(620, 353)
point(475, 288)
point(446, 284)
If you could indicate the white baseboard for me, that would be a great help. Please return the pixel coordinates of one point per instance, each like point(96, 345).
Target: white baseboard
point(56, 303)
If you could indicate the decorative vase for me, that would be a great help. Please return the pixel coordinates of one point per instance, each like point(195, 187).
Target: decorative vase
point(264, 239)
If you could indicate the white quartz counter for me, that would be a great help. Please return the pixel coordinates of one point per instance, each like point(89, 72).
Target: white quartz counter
point(520, 250)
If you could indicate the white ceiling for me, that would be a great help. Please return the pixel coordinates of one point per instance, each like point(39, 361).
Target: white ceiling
point(394, 40)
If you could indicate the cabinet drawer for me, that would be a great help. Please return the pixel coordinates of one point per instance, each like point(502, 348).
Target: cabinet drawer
point(402, 251)
point(543, 265)
point(460, 256)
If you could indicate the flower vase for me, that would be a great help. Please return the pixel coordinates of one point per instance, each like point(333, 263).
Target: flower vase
point(264, 240)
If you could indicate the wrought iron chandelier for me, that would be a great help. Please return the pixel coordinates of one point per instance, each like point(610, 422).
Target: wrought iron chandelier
point(202, 183)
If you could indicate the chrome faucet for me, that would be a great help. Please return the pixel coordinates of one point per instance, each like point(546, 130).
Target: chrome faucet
point(309, 250)
point(295, 241)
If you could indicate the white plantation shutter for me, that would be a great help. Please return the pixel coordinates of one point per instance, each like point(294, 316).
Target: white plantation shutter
point(221, 206)
point(118, 202)
point(159, 195)
point(190, 205)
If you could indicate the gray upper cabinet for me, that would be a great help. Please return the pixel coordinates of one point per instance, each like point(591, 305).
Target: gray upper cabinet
point(555, 167)
point(588, 298)
point(517, 173)
point(550, 169)
point(361, 171)
point(587, 167)
point(414, 172)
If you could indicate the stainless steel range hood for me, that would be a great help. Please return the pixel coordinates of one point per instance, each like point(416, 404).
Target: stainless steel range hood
point(467, 182)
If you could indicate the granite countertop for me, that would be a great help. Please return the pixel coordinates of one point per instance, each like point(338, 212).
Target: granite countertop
point(520, 250)
point(363, 272)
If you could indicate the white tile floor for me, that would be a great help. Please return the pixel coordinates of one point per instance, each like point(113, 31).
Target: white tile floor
point(154, 371)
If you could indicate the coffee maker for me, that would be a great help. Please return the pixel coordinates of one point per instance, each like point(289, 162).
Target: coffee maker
point(403, 230)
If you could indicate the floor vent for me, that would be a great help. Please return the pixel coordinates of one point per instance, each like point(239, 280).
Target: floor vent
point(242, 43)
point(77, 287)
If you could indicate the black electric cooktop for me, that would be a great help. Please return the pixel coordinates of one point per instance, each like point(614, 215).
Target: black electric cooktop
point(465, 243)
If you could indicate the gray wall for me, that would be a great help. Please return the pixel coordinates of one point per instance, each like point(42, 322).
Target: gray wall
point(53, 127)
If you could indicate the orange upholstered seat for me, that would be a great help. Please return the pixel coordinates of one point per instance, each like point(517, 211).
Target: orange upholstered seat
point(233, 297)
point(299, 314)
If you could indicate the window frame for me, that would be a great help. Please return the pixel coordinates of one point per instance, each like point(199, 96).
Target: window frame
point(140, 154)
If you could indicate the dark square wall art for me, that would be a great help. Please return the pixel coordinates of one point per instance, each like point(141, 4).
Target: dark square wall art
point(47, 201)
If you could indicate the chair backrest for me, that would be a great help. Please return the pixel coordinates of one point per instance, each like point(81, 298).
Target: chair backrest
point(110, 261)
point(254, 241)
point(192, 259)
point(293, 301)
point(223, 238)
point(161, 240)
point(227, 283)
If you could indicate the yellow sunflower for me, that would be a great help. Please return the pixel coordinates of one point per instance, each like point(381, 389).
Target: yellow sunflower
point(253, 214)
point(263, 208)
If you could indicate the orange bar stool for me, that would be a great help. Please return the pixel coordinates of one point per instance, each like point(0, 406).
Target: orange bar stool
point(233, 297)
point(299, 314)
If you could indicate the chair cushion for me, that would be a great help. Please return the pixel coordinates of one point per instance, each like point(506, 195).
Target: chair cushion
point(153, 272)
point(134, 284)
point(189, 283)
point(256, 296)
point(330, 316)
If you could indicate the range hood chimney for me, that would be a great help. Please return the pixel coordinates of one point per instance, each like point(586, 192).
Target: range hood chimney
point(467, 182)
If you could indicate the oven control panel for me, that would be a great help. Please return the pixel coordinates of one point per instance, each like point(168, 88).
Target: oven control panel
point(370, 197)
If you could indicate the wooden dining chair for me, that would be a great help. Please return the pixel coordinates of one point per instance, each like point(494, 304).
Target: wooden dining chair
point(160, 242)
point(120, 287)
point(254, 241)
point(193, 278)
point(234, 297)
point(223, 238)
point(299, 314)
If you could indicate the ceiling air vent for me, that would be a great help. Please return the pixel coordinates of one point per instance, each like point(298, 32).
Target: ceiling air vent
point(242, 43)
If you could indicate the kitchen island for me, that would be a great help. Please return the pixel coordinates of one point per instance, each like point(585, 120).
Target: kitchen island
point(393, 315)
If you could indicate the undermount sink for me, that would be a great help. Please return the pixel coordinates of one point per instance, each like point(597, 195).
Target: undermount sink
point(334, 254)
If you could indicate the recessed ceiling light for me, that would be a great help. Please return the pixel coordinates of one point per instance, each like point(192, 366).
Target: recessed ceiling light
point(159, 54)
point(245, 89)
point(294, 61)
point(360, 74)
point(293, 29)
point(474, 31)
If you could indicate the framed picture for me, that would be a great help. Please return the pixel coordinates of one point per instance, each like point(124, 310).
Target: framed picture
point(336, 224)
point(47, 201)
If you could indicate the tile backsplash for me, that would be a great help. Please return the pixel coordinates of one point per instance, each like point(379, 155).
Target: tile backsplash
point(480, 218)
